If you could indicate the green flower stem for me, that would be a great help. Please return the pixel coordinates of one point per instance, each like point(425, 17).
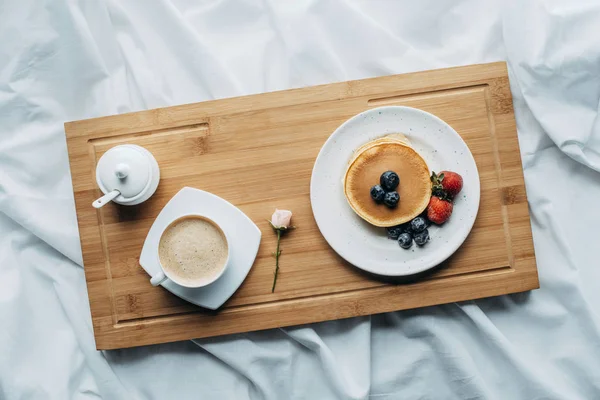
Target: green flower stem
point(277, 253)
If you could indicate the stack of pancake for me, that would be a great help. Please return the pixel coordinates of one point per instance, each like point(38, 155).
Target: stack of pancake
point(388, 153)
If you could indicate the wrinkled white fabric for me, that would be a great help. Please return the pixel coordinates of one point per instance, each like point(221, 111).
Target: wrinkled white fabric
point(64, 60)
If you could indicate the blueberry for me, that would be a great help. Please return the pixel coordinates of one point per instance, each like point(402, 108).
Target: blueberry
point(394, 231)
point(391, 199)
point(418, 224)
point(389, 180)
point(405, 240)
point(422, 237)
point(377, 193)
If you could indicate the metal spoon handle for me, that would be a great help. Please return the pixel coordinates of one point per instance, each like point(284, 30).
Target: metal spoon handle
point(105, 199)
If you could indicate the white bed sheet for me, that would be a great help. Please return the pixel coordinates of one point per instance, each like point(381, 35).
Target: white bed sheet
point(66, 60)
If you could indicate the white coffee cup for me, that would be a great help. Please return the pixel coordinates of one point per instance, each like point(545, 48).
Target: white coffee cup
point(164, 275)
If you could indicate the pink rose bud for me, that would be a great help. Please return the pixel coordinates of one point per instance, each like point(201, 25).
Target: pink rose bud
point(281, 218)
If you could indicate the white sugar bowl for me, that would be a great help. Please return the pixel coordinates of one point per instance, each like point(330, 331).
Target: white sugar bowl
point(127, 174)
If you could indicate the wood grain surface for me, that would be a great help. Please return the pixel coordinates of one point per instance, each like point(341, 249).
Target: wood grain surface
point(258, 152)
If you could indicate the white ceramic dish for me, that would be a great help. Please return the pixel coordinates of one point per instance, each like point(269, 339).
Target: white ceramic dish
point(130, 169)
point(367, 246)
point(243, 239)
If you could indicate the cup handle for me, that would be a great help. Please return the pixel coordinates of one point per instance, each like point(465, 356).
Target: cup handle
point(159, 278)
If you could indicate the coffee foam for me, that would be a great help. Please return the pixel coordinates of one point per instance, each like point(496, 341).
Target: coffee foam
point(193, 251)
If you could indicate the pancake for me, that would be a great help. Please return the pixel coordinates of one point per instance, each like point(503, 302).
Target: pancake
point(394, 138)
point(389, 153)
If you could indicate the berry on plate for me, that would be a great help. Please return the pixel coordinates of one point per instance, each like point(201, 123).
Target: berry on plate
point(439, 210)
point(391, 199)
point(377, 193)
point(394, 232)
point(418, 224)
point(446, 185)
point(389, 180)
point(405, 240)
point(406, 228)
point(422, 237)
point(451, 182)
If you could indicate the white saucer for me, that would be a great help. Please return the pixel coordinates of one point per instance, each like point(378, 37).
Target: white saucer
point(243, 234)
point(364, 245)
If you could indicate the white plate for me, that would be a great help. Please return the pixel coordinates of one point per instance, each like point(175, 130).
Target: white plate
point(367, 246)
point(243, 234)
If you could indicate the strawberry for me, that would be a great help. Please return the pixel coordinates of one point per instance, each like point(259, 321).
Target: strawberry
point(439, 210)
point(451, 182)
point(446, 185)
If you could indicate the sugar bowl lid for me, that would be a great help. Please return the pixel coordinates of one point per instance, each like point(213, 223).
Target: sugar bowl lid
point(128, 169)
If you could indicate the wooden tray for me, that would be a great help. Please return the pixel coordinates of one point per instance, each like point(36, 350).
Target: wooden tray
point(258, 153)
